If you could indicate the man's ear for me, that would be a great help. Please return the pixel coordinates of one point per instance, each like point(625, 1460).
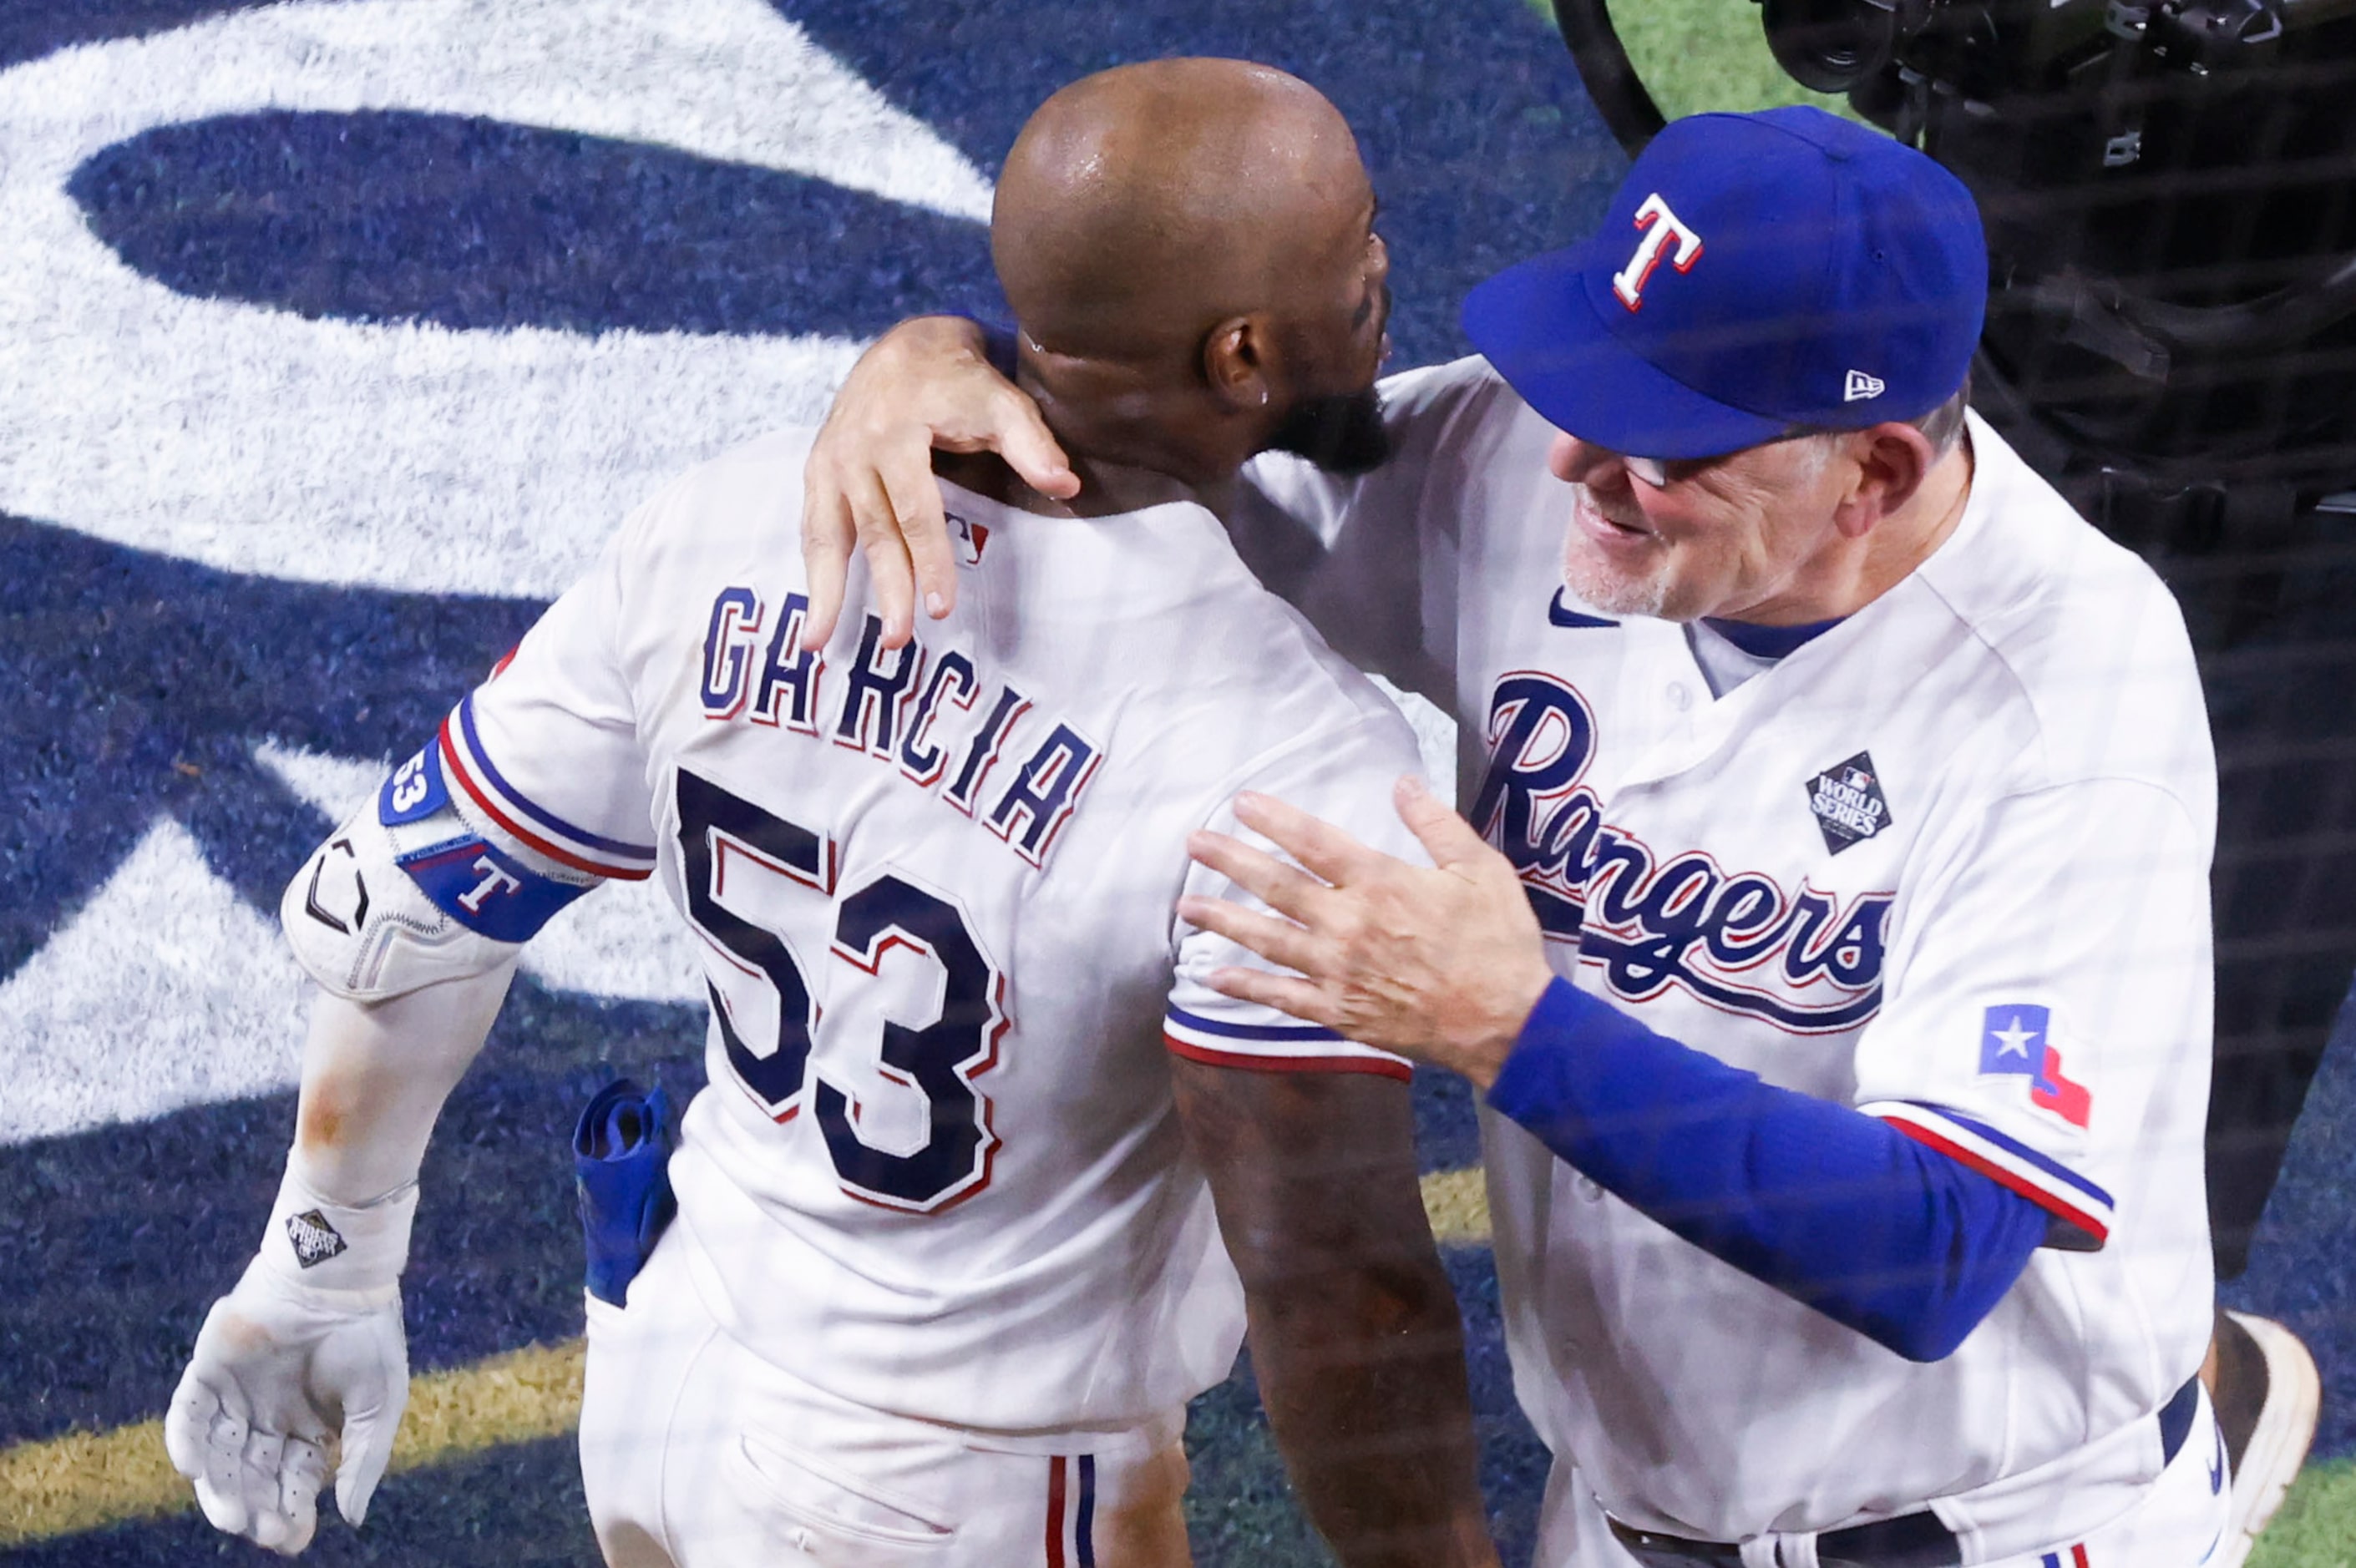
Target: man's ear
point(1238, 364)
point(1892, 461)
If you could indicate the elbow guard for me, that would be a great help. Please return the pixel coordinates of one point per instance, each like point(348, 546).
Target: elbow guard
point(411, 892)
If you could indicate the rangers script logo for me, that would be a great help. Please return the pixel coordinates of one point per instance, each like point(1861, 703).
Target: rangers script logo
point(1738, 941)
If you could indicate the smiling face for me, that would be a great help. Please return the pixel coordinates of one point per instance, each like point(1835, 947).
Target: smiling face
point(1733, 536)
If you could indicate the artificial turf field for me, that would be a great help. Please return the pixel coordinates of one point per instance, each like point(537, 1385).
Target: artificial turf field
point(332, 338)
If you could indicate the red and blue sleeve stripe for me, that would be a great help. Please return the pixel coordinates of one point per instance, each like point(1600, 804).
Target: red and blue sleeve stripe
point(1272, 1048)
point(1842, 1211)
point(528, 821)
point(2044, 1181)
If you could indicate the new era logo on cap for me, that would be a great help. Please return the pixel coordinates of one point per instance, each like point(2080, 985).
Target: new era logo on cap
point(1861, 387)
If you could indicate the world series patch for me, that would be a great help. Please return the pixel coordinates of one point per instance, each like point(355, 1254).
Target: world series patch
point(314, 1238)
point(1849, 802)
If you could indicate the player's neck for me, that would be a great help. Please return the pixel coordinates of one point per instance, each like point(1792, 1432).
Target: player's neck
point(1138, 434)
point(1106, 489)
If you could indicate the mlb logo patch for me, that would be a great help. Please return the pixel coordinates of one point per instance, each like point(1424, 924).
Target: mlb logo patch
point(970, 539)
point(1847, 801)
point(2014, 1041)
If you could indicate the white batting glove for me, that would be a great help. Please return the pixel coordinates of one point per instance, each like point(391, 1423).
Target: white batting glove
point(307, 1355)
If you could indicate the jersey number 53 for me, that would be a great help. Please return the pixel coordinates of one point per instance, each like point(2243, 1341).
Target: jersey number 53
point(889, 922)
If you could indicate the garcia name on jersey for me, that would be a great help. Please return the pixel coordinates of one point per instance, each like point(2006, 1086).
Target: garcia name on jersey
point(908, 707)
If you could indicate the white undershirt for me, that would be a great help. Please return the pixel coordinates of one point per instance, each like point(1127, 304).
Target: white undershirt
point(1723, 665)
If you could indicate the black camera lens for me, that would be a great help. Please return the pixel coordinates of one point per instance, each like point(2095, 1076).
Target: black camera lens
point(1830, 45)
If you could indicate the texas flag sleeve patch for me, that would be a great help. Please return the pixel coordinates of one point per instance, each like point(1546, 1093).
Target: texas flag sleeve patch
point(2014, 1041)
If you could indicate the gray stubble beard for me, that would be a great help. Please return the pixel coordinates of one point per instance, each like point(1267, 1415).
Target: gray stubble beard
point(1610, 592)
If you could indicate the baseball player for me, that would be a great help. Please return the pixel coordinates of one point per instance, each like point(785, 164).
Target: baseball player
point(946, 1267)
point(1836, 962)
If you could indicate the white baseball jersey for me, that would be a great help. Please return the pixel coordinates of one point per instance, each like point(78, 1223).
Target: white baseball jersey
point(937, 1170)
point(1945, 863)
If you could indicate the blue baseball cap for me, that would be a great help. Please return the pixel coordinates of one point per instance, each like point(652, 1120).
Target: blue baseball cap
point(1757, 271)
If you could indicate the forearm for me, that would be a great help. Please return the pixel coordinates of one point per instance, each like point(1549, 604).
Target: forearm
point(1834, 1208)
point(1354, 1333)
point(375, 1076)
point(1362, 1373)
point(300, 1371)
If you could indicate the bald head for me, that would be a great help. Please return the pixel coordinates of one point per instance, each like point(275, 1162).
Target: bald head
point(1144, 205)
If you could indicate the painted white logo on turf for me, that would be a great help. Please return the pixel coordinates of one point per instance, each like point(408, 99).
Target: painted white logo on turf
point(1861, 387)
point(425, 459)
point(1660, 225)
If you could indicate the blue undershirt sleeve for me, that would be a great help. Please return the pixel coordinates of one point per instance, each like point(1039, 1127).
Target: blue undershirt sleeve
point(1836, 1209)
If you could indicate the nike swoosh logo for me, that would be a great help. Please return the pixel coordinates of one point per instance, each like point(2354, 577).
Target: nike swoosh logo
point(1557, 614)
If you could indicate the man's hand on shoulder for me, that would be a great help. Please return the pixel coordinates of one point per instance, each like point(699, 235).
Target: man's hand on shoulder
point(925, 384)
point(1441, 964)
point(284, 1374)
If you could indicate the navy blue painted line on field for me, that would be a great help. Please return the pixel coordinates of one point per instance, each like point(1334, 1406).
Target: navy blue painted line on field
point(1482, 145)
point(2302, 1266)
point(31, 28)
point(1447, 1122)
point(473, 223)
point(144, 682)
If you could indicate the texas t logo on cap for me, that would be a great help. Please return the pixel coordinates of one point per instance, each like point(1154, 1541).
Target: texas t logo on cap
point(1661, 225)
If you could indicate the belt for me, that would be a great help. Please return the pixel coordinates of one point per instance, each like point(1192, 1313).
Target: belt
point(1911, 1541)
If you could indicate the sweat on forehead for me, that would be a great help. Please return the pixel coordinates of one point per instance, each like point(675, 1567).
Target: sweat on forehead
point(1141, 202)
